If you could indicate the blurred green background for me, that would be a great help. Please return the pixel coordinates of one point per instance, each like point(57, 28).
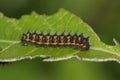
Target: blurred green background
point(102, 15)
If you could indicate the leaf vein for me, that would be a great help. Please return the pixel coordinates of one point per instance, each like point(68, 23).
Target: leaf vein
point(104, 50)
point(9, 41)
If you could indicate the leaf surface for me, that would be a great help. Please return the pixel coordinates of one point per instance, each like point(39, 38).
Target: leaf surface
point(63, 21)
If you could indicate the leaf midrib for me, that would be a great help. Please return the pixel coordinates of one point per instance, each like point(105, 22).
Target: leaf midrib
point(92, 48)
point(105, 50)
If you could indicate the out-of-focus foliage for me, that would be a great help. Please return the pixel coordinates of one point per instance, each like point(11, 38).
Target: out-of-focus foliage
point(72, 69)
point(102, 15)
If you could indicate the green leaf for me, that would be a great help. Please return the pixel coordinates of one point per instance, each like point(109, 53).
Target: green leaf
point(11, 31)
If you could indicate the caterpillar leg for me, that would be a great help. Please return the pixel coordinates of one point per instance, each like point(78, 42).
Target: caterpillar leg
point(24, 43)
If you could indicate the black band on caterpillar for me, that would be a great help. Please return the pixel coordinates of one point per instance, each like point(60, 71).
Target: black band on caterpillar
point(75, 41)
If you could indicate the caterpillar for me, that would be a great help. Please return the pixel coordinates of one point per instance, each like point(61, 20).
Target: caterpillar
point(74, 41)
